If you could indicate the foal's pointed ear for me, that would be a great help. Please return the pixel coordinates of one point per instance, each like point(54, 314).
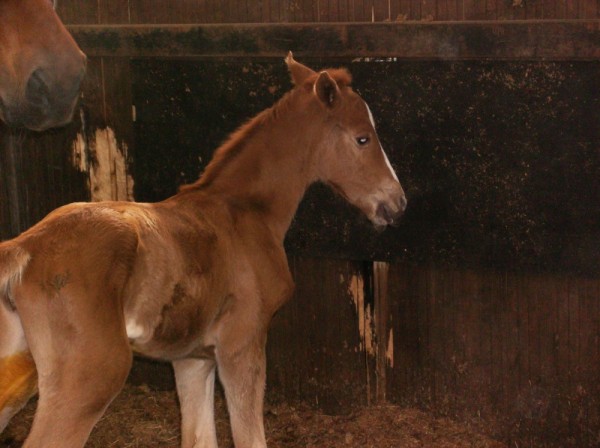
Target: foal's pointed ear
point(298, 72)
point(327, 89)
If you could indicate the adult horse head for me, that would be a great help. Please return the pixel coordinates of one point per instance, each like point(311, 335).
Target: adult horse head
point(41, 66)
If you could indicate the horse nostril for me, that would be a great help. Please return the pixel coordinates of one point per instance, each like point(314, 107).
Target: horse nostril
point(37, 91)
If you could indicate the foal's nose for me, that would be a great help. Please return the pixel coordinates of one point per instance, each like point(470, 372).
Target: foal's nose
point(392, 212)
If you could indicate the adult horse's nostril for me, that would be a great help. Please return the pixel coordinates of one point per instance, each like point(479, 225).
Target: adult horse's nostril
point(37, 91)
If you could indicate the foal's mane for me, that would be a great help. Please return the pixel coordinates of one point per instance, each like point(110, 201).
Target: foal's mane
point(235, 143)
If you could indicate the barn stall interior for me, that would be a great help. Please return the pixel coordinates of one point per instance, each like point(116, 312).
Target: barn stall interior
point(476, 322)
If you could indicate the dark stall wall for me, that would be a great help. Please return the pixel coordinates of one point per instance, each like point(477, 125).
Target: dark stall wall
point(500, 163)
point(499, 159)
point(519, 349)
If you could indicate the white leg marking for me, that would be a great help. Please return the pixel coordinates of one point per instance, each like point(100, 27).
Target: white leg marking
point(195, 379)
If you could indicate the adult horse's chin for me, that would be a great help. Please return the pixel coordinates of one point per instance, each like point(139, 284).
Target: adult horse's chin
point(38, 116)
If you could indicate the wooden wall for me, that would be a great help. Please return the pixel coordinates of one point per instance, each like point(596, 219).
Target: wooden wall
point(518, 346)
point(286, 11)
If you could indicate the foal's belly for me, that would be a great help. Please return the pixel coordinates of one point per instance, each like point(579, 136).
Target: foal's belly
point(176, 330)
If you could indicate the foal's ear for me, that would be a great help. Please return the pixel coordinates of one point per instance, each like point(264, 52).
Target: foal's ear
point(298, 72)
point(327, 89)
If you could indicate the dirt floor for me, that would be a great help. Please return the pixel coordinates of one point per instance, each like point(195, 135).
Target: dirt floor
point(143, 418)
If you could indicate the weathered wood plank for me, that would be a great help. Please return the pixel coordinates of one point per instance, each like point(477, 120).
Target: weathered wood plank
point(315, 350)
point(498, 40)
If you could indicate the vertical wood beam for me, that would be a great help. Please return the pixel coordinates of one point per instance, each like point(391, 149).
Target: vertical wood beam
point(384, 355)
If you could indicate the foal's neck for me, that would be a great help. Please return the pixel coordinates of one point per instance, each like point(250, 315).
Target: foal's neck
point(266, 166)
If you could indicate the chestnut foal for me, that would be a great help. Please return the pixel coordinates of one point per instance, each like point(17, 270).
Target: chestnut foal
point(194, 279)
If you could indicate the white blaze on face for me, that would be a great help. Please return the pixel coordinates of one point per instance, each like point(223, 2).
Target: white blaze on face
point(387, 161)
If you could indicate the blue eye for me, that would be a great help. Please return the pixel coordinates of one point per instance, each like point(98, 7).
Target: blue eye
point(362, 141)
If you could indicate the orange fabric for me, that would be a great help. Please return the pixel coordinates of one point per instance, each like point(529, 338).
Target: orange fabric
point(18, 379)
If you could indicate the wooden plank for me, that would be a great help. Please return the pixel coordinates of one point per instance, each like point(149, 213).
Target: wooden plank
point(429, 10)
point(534, 328)
point(455, 9)
point(495, 310)
point(434, 347)
point(523, 333)
point(118, 98)
point(563, 357)
point(474, 10)
point(518, 11)
point(491, 9)
point(529, 41)
point(344, 10)
point(534, 10)
point(13, 182)
point(548, 326)
point(404, 299)
point(503, 11)
point(310, 10)
point(561, 9)
point(255, 10)
point(415, 10)
point(319, 327)
point(572, 9)
point(423, 375)
point(588, 360)
point(573, 336)
point(550, 9)
point(589, 9)
point(382, 329)
point(113, 11)
point(510, 334)
point(484, 299)
point(380, 11)
point(75, 12)
point(442, 10)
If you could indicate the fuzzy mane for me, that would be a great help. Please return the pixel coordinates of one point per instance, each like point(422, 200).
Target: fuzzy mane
point(237, 140)
point(235, 143)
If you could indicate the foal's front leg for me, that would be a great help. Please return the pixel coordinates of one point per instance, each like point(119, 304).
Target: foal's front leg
point(195, 387)
point(242, 372)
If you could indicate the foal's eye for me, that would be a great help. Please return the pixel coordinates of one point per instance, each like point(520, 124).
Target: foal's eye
point(362, 141)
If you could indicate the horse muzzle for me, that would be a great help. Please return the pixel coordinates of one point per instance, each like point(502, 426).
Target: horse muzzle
point(388, 213)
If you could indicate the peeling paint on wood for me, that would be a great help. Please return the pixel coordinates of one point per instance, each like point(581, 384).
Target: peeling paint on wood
point(106, 165)
point(389, 352)
point(79, 153)
point(356, 290)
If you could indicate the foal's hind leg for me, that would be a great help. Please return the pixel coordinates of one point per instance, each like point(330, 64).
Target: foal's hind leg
point(195, 387)
point(83, 357)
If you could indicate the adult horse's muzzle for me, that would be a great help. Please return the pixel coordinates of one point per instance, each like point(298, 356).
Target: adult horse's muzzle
point(47, 100)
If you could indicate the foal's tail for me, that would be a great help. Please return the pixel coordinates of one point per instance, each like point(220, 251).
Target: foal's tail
point(13, 261)
point(18, 376)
